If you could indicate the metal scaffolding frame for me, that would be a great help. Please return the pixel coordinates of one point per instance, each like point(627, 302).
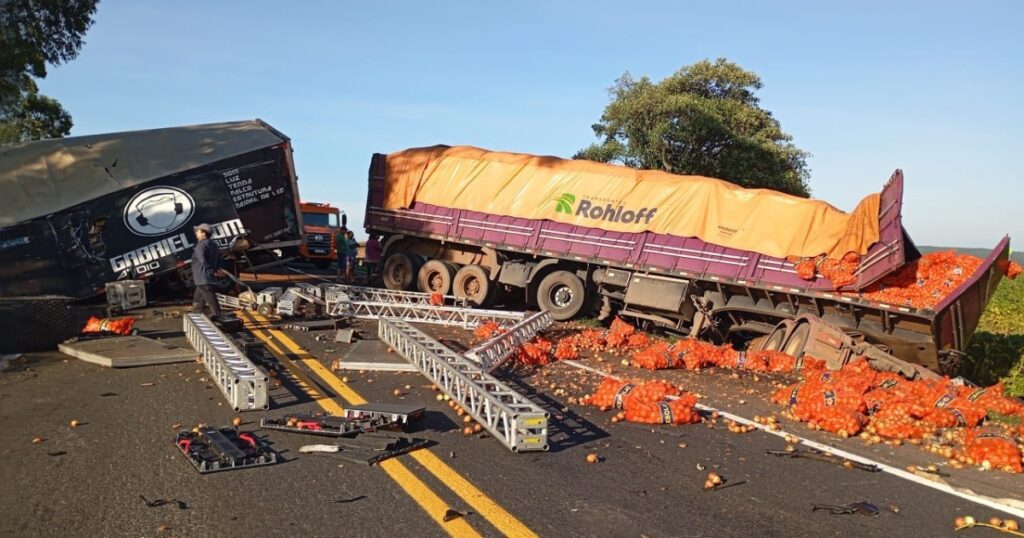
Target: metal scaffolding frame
point(511, 418)
point(467, 318)
point(342, 292)
point(492, 353)
point(243, 383)
point(289, 303)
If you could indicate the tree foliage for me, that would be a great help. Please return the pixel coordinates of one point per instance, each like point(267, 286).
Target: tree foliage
point(34, 34)
point(705, 119)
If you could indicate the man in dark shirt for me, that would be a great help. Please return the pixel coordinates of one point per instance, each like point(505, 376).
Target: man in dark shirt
point(341, 245)
point(205, 265)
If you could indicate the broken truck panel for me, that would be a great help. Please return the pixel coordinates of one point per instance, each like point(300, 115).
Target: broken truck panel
point(889, 253)
point(84, 211)
point(957, 316)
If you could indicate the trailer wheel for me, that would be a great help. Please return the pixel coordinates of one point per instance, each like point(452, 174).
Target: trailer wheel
point(562, 294)
point(797, 340)
point(436, 276)
point(399, 271)
point(471, 283)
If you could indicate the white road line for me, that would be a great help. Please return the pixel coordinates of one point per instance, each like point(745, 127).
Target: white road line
point(997, 504)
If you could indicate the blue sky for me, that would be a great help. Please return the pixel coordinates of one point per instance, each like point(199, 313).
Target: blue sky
point(930, 87)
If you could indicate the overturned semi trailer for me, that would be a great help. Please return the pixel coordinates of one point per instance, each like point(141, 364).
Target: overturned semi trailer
point(77, 213)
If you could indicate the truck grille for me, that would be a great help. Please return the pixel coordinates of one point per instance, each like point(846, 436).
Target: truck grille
point(318, 244)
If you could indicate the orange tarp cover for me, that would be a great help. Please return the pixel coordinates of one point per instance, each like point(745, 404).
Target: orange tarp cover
point(622, 199)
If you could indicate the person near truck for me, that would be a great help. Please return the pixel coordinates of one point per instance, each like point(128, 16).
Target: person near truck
point(205, 267)
point(372, 258)
point(353, 248)
point(341, 245)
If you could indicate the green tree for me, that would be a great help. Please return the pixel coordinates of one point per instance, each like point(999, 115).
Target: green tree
point(34, 33)
point(702, 120)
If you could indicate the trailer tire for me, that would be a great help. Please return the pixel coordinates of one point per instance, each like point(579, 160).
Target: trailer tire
point(562, 294)
point(776, 340)
point(471, 283)
point(436, 276)
point(399, 272)
point(797, 340)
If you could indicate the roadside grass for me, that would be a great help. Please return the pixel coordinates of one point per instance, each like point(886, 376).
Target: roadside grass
point(997, 348)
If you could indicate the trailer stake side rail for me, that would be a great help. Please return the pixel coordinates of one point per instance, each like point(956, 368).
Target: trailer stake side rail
point(357, 419)
point(398, 414)
point(466, 318)
point(492, 353)
point(326, 425)
point(511, 418)
point(229, 302)
point(243, 383)
point(343, 292)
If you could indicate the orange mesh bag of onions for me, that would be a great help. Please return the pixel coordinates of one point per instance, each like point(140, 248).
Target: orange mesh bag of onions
point(998, 449)
point(675, 411)
point(611, 393)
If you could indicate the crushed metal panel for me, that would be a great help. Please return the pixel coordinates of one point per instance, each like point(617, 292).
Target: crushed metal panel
point(372, 356)
point(127, 351)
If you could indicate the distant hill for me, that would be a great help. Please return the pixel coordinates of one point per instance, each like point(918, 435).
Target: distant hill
point(979, 252)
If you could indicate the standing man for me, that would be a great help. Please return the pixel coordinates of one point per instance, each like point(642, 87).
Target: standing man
point(353, 249)
point(205, 266)
point(341, 245)
point(372, 258)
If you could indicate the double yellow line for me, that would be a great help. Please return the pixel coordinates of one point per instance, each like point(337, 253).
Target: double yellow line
point(291, 355)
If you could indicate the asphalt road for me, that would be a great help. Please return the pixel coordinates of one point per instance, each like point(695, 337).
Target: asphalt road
point(88, 480)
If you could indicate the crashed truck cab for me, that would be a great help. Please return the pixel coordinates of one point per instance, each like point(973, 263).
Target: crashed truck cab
point(81, 212)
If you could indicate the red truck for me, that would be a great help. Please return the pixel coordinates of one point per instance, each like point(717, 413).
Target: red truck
point(684, 284)
point(320, 224)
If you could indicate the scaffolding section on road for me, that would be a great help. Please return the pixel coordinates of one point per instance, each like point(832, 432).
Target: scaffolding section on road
point(511, 418)
point(243, 383)
point(492, 353)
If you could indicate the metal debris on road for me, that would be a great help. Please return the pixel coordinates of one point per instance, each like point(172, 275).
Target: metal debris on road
point(812, 454)
point(450, 514)
point(211, 450)
point(357, 419)
point(346, 501)
point(863, 508)
point(182, 505)
point(308, 449)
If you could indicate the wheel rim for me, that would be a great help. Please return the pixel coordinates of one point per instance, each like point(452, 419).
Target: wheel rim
point(561, 296)
point(398, 272)
point(471, 287)
point(435, 281)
